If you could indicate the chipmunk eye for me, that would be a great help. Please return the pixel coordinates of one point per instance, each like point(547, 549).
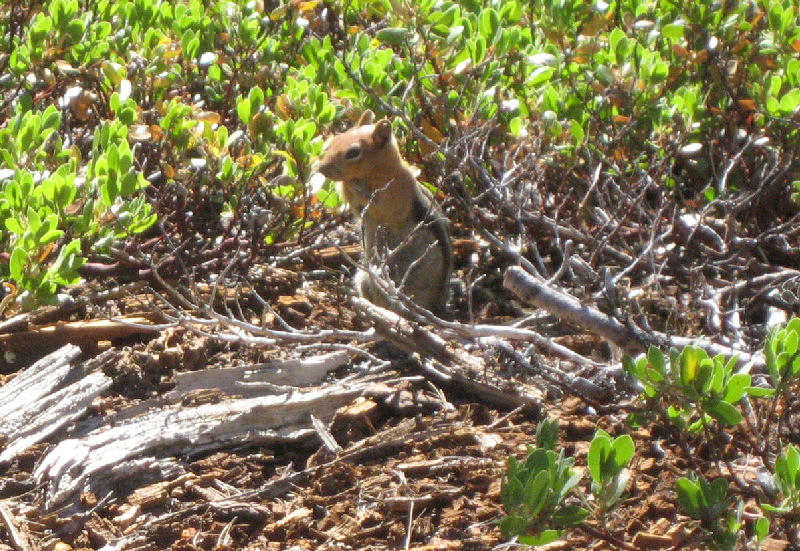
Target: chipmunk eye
point(353, 152)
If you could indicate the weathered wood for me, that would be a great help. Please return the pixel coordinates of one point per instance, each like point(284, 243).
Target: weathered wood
point(246, 381)
point(570, 309)
point(17, 536)
point(251, 380)
point(140, 442)
point(48, 396)
point(371, 448)
point(80, 464)
point(48, 337)
point(36, 381)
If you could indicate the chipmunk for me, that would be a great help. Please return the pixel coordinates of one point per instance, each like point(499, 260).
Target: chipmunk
point(401, 227)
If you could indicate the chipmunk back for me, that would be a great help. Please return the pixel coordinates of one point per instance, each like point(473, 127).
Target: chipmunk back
point(402, 229)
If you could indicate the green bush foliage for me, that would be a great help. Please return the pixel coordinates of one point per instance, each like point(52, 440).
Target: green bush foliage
point(690, 388)
point(534, 492)
point(693, 392)
point(224, 93)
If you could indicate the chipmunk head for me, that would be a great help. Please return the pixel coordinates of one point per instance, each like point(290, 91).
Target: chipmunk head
point(361, 152)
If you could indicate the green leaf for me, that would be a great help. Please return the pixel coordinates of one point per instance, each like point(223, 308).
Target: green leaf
point(75, 29)
point(673, 31)
point(761, 529)
point(58, 12)
point(17, 262)
point(774, 510)
point(723, 411)
point(142, 223)
point(737, 386)
point(690, 363)
point(790, 342)
point(547, 434)
point(604, 74)
point(328, 198)
point(792, 464)
point(512, 525)
point(623, 448)
point(759, 392)
point(599, 450)
point(34, 220)
point(50, 236)
point(489, 23)
point(657, 359)
point(716, 491)
point(394, 36)
point(790, 101)
point(545, 537)
point(51, 118)
point(629, 364)
point(704, 377)
point(540, 75)
point(478, 50)
point(536, 491)
point(25, 138)
point(243, 110)
point(688, 496)
point(511, 492)
point(573, 480)
point(776, 17)
point(569, 515)
point(577, 131)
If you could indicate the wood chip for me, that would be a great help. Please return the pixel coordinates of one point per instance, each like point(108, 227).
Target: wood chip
point(645, 540)
point(773, 544)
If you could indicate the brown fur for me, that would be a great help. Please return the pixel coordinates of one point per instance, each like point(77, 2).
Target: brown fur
point(401, 226)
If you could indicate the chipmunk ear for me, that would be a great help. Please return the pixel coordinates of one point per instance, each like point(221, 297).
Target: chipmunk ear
point(366, 118)
point(382, 134)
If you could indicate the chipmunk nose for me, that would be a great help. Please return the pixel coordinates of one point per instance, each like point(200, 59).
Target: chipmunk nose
point(328, 168)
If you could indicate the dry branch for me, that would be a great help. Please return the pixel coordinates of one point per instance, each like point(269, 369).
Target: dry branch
point(568, 308)
point(16, 536)
point(450, 365)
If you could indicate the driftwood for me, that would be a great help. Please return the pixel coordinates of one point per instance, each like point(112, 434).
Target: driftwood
point(74, 464)
point(254, 405)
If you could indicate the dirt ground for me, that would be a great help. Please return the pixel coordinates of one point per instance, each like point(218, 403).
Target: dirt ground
point(411, 474)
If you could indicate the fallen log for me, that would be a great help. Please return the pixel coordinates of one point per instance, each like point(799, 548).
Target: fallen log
point(111, 454)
